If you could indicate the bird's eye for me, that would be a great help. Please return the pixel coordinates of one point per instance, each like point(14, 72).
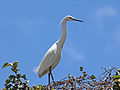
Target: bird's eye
point(70, 17)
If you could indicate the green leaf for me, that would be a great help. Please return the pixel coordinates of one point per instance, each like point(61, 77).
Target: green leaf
point(118, 70)
point(81, 68)
point(6, 64)
point(24, 76)
point(15, 64)
point(5, 88)
point(93, 77)
point(7, 81)
point(40, 87)
point(27, 81)
point(53, 89)
point(116, 77)
point(69, 75)
point(37, 87)
point(11, 77)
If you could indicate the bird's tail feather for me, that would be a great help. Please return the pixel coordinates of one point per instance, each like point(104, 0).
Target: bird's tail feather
point(35, 69)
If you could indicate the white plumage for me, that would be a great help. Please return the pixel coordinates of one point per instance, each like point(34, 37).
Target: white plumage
point(53, 55)
point(51, 58)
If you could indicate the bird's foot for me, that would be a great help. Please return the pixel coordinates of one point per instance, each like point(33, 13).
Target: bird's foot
point(48, 87)
point(53, 81)
point(54, 84)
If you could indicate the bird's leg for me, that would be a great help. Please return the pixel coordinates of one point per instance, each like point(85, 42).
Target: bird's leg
point(52, 75)
point(49, 77)
point(52, 78)
point(49, 87)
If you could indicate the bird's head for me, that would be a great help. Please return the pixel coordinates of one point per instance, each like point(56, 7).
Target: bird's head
point(70, 18)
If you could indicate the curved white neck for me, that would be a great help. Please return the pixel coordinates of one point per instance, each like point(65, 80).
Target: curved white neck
point(63, 36)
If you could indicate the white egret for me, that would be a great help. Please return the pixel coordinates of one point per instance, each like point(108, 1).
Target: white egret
point(53, 55)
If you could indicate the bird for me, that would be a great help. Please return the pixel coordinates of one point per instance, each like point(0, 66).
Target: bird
point(53, 55)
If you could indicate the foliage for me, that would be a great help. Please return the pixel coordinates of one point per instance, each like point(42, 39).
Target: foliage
point(15, 81)
point(108, 80)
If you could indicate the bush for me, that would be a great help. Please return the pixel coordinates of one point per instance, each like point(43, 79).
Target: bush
point(108, 80)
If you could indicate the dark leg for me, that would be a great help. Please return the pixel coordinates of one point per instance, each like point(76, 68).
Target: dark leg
point(49, 88)
point(52, 75)
point(52, 78)
point(49, 77)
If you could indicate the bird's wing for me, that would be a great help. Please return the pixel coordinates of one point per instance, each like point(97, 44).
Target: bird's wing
point(48, 60)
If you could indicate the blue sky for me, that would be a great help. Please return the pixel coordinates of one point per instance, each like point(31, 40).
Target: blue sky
point(28, 28)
